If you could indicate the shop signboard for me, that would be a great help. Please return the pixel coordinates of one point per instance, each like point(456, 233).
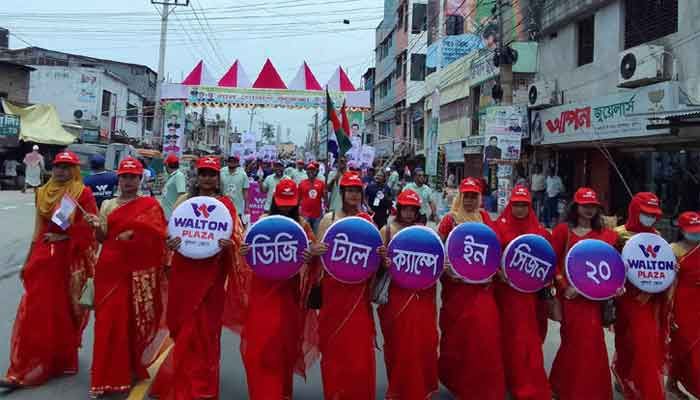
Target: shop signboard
point(608, 117)
point(9, 125)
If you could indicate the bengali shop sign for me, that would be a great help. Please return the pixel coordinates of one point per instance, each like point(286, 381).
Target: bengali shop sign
point(352, 250)
point(417, 258)
point(595, 269)
point(200, 222)
point(276, 247)
point(529, 263)
point(651, 264)
point(607, 117)
point(474, 252)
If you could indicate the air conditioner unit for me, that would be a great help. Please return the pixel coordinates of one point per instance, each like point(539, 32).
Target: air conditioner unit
point(642, 65)
point(542, 94)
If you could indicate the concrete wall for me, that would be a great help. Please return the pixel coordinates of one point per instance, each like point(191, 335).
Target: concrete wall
point(15, 82)
point(558, 54)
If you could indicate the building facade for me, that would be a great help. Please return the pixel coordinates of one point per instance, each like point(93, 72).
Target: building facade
point(625, 89)
point(14, 82)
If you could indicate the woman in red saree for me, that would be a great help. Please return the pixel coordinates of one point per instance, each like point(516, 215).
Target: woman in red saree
point(196, 295)
point(273, 341)
point(685, 334)
point(346, 323)
point(128, 282)
point(581, 369)
point(409, 322)
point(49, 323)
point(522, 345)
point(471, 362)
point(640, 336)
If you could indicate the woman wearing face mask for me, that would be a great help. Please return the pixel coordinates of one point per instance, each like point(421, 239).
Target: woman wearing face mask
point(273, 345)
point(196, 295)
point(128, 283)
point(581, 369)
point(523, 360)
point(685, 331)
point(346, 323)
point(409, 322)
point(639, 334)
point(49, 325)
point(470, 363)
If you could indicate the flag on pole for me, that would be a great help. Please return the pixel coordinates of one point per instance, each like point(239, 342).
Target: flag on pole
point(62, 215)
point(338, 144)
point(345, 122)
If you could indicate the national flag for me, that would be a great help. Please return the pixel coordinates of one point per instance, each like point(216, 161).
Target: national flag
point(340, 140)
point(63, 212)
point(345, 122)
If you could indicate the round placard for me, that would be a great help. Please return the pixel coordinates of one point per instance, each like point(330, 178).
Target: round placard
point(651, 264)
point(474, 252)
point(276, 247)
point(200, 222)
point(529, 263)
point(595, 269)
point(352, 250)
point(417, 258)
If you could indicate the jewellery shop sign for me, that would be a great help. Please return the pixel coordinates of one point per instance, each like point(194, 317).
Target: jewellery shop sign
point(607, 117)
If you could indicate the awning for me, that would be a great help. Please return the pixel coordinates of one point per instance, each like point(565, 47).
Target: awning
point(40, 124)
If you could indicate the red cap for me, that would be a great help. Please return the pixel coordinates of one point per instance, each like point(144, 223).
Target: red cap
point(67, 157)
point(171, 159)
point(286, 193)
point(586, 196)
point(130, 165)
point(365, 216)
point(350, 179)
point(300, 162)
point(520, 194)
point(312, 165)
point(470, 185)
point(649, 203)
point(209, 162)
point(408, 198)
point(689, 222)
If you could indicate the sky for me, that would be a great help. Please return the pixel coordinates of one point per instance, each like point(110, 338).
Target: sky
point(217, 31)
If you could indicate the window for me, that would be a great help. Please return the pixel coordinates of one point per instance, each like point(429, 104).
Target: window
point(419, 22)
point(418, 67)
point(106, 102)
point(132, 113)
point(586, 39)
point(647, 20)
point(454, 25)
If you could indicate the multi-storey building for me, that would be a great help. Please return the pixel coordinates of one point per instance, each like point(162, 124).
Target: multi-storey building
point(615, 105)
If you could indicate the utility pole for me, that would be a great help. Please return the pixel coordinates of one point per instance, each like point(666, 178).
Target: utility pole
point(506, 63)
point(252, 115)
point(316, 149)
point(165, 12)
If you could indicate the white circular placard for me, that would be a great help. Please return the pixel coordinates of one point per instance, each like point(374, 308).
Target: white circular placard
point(650, 262)
point(200, 222)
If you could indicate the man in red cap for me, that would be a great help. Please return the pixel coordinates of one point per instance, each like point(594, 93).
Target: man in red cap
point(49, 324)
point(270, 183)
point(299, 174)
point(312, 191)
point(175, 186)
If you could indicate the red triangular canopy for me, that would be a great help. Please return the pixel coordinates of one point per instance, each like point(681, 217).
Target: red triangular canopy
point(305, 79)
point(345, 84)
point(235, 77)
point(269, 78)
point(195, 76)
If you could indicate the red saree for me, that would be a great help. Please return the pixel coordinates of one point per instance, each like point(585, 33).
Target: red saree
point(581, 368)
point(471, 362)
point(128, 306)
point(346, 337)
point(409, 326)
point(196, 295)
point(685, 338)
point(49, 324)
point(275, 340)
point(520, 324)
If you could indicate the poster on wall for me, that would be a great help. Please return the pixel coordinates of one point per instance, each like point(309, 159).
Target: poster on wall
point(503, 129)
point(250, 150)
point(174, 128)
point(431, 140)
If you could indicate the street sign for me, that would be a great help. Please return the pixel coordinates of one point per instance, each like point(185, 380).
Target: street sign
point(9, 125)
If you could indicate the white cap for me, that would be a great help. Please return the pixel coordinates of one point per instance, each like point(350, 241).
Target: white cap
point(388, 169)
point(35, 147)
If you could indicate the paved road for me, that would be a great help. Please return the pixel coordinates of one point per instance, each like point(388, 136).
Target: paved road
point(16, 216)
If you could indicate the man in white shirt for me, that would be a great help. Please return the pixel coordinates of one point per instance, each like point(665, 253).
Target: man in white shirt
point(235, 184)
point(537, 187)
point(554, 188)
point(300, 173)
point(270, 183)
point(426, 194)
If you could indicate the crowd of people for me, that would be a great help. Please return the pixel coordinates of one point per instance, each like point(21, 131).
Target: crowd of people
point(485, 341)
